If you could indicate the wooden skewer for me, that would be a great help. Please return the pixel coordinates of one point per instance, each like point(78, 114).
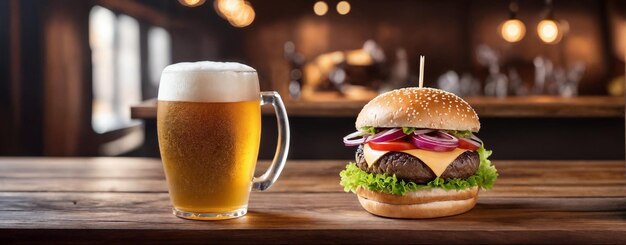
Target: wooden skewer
point(421, 71)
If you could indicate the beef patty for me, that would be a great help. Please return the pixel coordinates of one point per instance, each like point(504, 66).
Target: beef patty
point(410, 168)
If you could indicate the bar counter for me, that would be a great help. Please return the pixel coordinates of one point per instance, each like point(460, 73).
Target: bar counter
point(125, 199)
point(490, 107)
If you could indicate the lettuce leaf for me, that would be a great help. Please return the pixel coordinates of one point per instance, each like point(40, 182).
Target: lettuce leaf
point(460, 133)
point(369, 130)
point(408, 130)
point(353, 177)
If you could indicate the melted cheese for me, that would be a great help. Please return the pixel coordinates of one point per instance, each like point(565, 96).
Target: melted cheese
point(436, 161)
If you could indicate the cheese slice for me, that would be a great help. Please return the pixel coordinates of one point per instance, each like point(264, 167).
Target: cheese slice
point(436, 161)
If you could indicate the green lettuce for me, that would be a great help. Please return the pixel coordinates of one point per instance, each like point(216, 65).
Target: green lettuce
point(460, 133)
point(353, 177)
point(457, 133)
point(408, 131)
point(369, 130)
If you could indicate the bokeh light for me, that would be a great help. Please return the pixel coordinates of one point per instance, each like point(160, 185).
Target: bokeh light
point(512, 30)
point(238, 13)
point(191, 3)
point(229, 8)
point(549, 31)
point(244, 17)
point(320, 8)
point(343, 7)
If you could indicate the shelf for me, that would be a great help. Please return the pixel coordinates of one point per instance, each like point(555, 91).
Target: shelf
point(486, 107)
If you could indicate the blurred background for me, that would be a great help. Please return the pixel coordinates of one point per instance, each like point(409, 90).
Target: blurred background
point(79, 77)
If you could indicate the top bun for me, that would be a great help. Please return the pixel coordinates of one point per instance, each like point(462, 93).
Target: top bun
point(418, 108)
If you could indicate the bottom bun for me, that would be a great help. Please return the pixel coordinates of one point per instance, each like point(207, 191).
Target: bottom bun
point(420, 204)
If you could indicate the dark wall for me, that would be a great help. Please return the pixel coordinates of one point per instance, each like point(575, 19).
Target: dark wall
point(21, 108)
point(30, 133)
point(5, 101)
point(204, 35)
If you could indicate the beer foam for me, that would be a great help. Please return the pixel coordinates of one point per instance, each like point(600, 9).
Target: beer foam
point(208, 81)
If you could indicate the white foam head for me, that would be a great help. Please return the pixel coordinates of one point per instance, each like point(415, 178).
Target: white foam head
point(208, 81)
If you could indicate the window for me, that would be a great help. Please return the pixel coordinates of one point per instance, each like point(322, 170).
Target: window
point(116, 42)
point(159, 56)
point(159, 53)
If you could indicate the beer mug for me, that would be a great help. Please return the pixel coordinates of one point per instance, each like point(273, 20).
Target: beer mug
point(209, 130)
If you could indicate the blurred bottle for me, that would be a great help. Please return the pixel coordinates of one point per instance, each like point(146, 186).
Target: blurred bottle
point(296, 62)
point(496, 83)
point(553, 80)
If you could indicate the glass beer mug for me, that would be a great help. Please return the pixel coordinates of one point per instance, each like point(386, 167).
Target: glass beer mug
point(209, 129)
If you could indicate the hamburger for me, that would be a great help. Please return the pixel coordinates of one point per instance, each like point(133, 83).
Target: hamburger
point(417, 155)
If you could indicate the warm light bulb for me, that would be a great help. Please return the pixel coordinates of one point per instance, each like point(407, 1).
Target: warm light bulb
point(343, 7)
point(191, 3)
point(244, 17)
point(229, 8)
point(512, 30)
point(320, 8)
point(548, 30)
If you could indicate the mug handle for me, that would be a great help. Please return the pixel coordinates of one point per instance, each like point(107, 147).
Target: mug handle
point(270, 176)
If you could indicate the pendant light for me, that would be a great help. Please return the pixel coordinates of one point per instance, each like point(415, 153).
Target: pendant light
point(549, 29)
point(513, 29)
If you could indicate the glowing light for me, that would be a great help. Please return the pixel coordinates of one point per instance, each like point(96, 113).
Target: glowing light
point(549, 31)
point(320, 8)
point(229, 8)
point(359, 57)
point(192, 3)
point(244, 18)
point(343, 7)
point(239, 13)
point(512, 30)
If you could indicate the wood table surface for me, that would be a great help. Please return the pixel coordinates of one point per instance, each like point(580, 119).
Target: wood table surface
point(486, 107)
point(126, 200)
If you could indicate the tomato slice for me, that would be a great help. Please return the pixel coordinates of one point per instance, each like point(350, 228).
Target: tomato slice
point(391, 146)
point(468, 144)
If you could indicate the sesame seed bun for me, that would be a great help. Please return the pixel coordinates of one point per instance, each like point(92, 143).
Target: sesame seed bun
point(419, 204)
point(418, 108)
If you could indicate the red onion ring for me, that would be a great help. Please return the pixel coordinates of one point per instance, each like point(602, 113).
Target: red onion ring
point(440, 141)
point(388, 135)
point(423, 131)
point(348, 141)
point(473, 137)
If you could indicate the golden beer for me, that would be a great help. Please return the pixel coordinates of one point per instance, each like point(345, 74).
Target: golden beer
point(209, 151)
point(209, 129)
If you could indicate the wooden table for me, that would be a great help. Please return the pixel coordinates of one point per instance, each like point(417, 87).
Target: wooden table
point(486, 107)
point(125, 199)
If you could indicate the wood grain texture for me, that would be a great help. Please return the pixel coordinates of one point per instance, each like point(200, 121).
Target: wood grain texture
point(126, 200)
point(517, 178)
point(486, 107)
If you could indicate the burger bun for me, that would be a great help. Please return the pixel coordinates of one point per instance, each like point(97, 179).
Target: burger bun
point(418, 108)
point(419, 204)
